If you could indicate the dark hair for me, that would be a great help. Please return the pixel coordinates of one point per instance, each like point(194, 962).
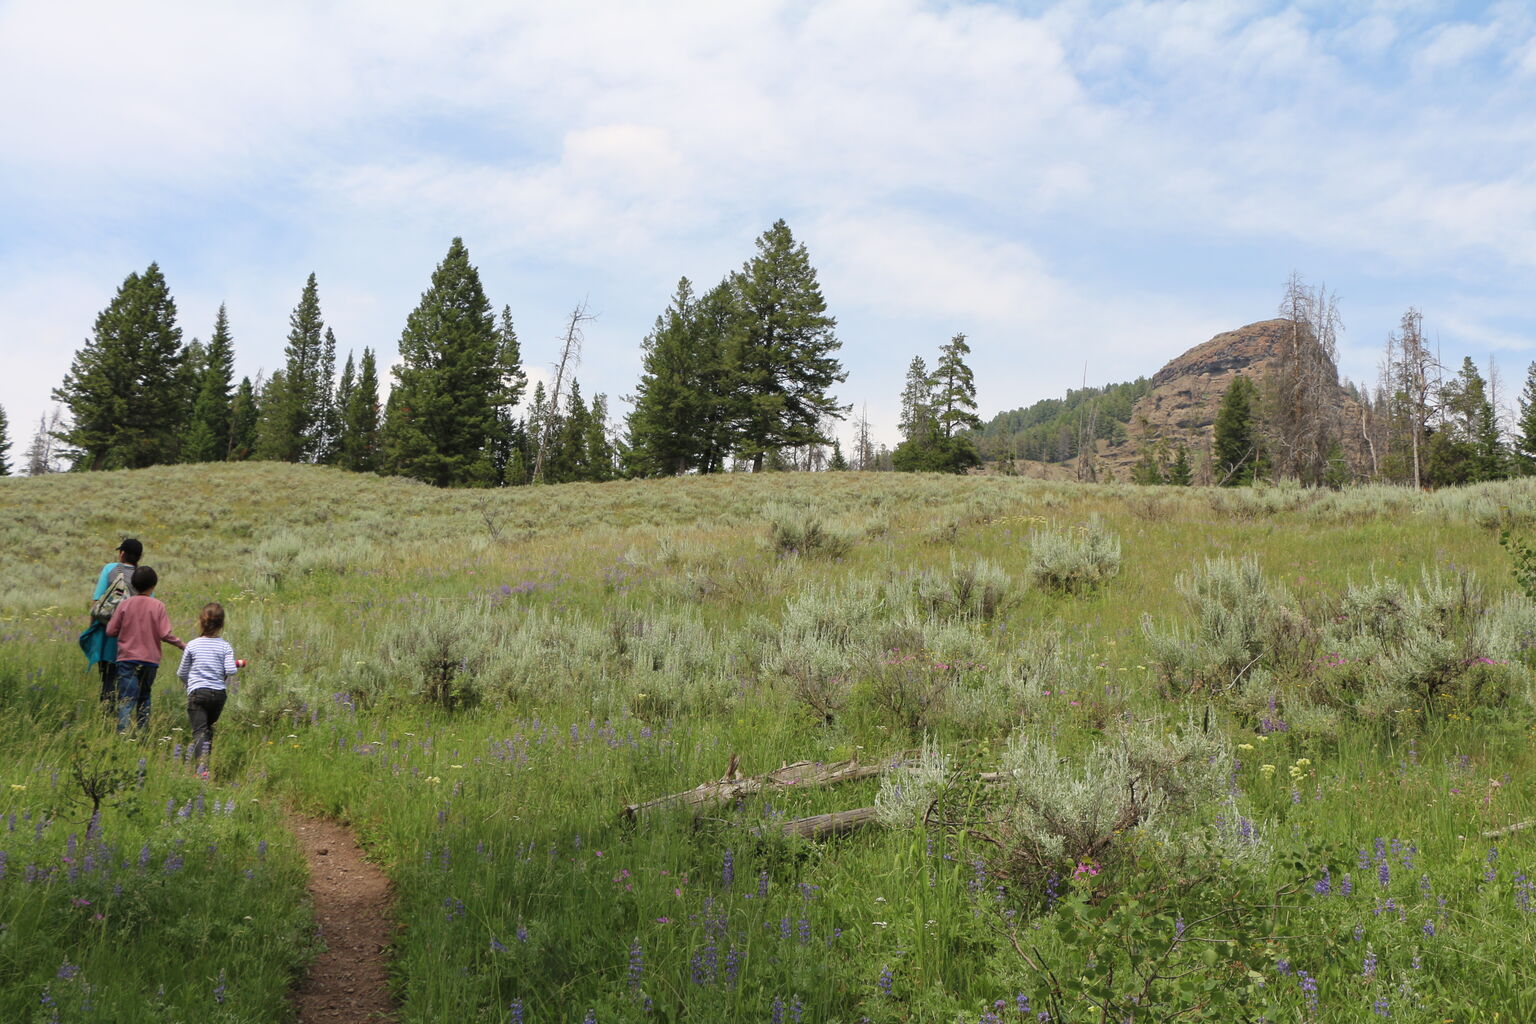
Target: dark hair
point(144, 579)
point(132, 550)
point(211, 619)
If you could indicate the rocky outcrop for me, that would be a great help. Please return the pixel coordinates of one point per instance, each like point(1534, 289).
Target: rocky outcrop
point(1186, 394)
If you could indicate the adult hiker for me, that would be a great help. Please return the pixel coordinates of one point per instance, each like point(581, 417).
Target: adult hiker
point(114, 584)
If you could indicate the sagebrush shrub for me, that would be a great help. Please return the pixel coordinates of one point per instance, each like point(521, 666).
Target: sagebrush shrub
point(804, 533)
point(1074, 560)
point(1059, 810)
point(976, 590)
point(1241, 622)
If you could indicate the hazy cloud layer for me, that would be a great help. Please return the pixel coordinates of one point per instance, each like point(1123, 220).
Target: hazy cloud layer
point(1075, 183)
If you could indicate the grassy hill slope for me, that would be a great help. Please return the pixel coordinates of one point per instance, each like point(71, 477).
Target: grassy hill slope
point(1263, 714)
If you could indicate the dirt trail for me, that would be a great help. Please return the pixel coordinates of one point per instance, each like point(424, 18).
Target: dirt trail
point(349, 981)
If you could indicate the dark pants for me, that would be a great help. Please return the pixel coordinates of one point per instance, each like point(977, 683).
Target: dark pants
point(108, 684)
point(134, 680)
point(204, 706)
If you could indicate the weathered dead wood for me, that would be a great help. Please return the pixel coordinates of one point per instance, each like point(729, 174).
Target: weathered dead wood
point(1518, 826)
point(733, 786)
point(835, 823)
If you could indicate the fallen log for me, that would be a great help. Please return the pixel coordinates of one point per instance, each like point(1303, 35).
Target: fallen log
point(835, 823)
point(1507, 829)
point(733, 786)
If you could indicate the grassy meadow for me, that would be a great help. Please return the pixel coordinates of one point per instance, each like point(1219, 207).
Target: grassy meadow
point(1148, 754)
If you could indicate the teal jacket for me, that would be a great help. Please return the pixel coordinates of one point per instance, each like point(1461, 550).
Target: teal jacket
point(94, 641)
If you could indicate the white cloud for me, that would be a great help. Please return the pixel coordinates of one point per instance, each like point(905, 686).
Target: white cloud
point(954, 167)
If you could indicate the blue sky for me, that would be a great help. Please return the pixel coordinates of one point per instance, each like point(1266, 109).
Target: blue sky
point(1077, 186)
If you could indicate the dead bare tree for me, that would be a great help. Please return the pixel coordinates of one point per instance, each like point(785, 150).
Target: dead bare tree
point(864, 450)
point(570, 356)
point(42, 454)
point(1301, 384)
point(1412, 379)
point(1087, 436)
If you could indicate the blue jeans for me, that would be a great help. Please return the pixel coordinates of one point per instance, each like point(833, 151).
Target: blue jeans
point(134, 680)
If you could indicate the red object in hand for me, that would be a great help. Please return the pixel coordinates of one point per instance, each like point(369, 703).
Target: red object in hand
point(239, 663)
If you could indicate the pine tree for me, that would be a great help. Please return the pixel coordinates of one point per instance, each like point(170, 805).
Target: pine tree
point(680, 401)
point(208, 433)
point(1467, 447)
point(122, 387)
point(954, 394)
point(1236, 446)
point(600, 454)
point(359, 446)
point(243, 419)
point(838, 462)
point(1180, 474)
point(917, 422)
point(327, 437)
point(292, 403)
point(346, 388)
point(925, 400)
point(782, 350)
point(1147, 469)
point(568, 458)
point(509, 438)
point(5, 444)
point(452, 382)
point(1525, 427)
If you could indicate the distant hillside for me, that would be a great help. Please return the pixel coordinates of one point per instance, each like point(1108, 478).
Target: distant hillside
point(1051, 429)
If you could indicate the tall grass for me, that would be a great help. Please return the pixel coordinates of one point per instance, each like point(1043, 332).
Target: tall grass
point(1352, 671)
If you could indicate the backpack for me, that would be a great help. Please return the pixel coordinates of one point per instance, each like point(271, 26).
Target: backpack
point(119, 586)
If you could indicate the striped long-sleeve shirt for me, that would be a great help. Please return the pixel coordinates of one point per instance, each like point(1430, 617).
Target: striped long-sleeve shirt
point(207, 663)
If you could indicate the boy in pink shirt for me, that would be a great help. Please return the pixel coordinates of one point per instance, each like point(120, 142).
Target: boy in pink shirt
point(140, 625)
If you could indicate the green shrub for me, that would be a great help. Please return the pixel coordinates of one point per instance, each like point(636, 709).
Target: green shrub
point(1074, 560)
point(1241, 622)
point(980, 590)
point(1059, 811)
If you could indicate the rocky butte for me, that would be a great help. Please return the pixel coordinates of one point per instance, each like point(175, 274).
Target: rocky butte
point(1186, 394)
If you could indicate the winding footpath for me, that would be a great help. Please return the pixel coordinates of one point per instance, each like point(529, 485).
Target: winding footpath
point(349, 981)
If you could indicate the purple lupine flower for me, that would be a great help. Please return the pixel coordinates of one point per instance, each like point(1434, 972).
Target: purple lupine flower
point(1492, 873)
point(886, 981)
point(1282, 966)
point(1346, 885)
point(762, 884)
point(1383, 873)
point(1381, 1007)
point(636, 965)
point(804, 928)
point(496, 946)
point(796, 1010)
point(261, 849)
point(1022, 1002)
point(727, 870)
point(733, 958)
point(522, 932)
point(776, 1012)
point(1324, 885)
point(1429, 928)
point(784, 930)
point(4, 857)
point(67, 970)
point(515, 1012)
point(218, 989)
point(590, 1018)
point(1368, 967)
point(1309, 990)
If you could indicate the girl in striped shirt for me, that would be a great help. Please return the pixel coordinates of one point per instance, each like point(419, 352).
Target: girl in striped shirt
point(206, 665)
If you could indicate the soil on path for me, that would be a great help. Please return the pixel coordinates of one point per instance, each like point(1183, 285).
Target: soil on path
point(349, 981)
